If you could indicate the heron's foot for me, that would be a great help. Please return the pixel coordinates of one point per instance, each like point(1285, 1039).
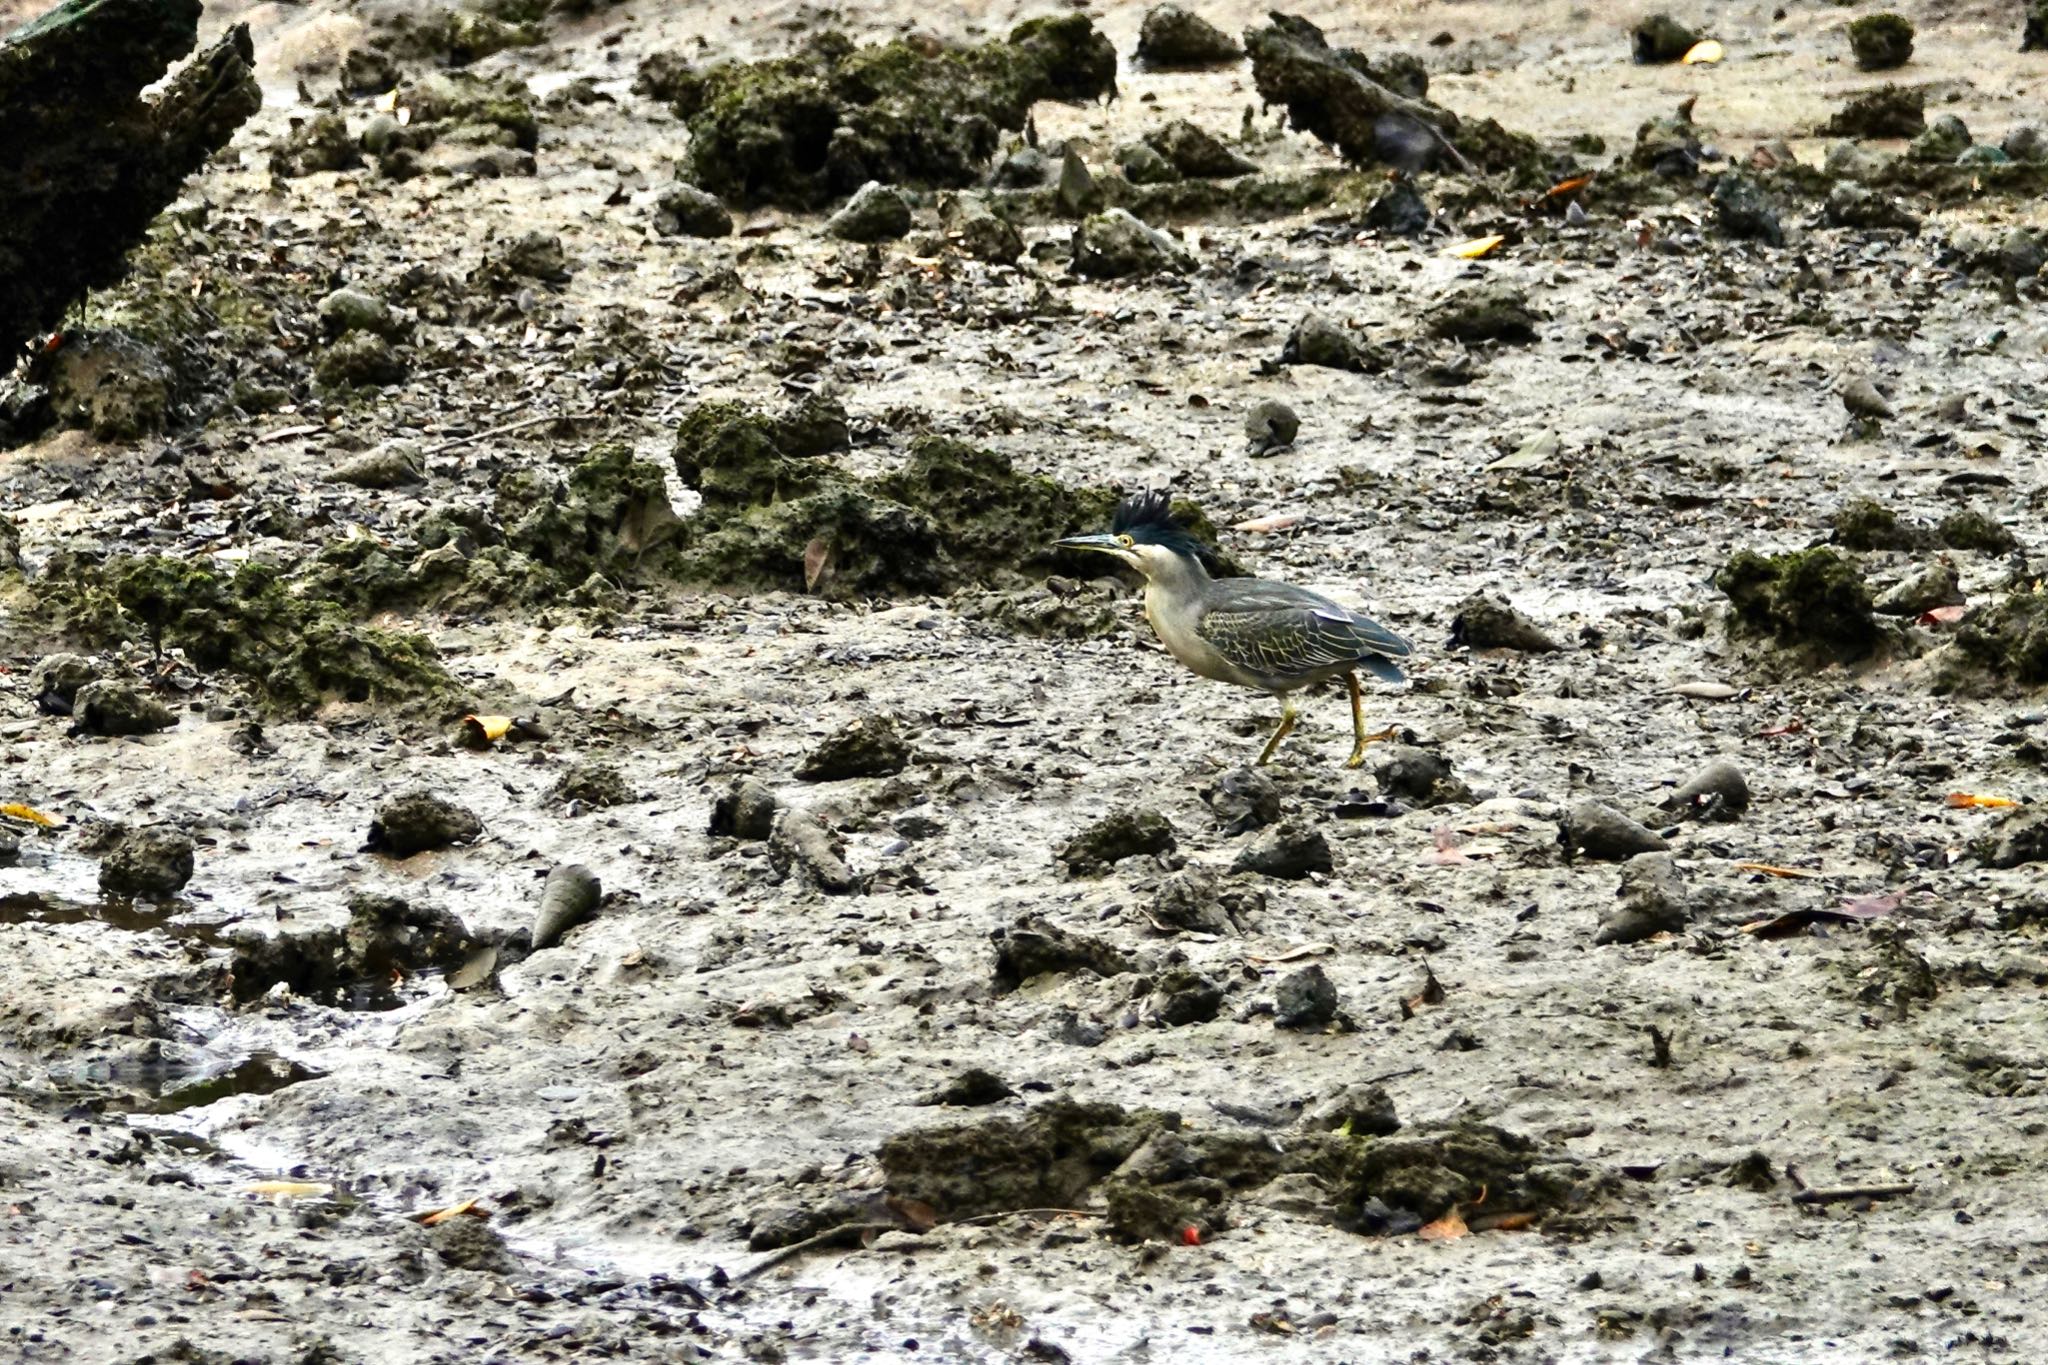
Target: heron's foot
point(1357, 759)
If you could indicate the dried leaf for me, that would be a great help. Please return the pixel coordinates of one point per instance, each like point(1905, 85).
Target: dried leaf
point(466, 1208)
point(1943, 616)
point(817, 561)
point(15, 810)
point(1853, 910)
point(1537, 450)
point(1794, 726)
point(1569, 185)
point(1772, 870)
point(1432, 993)
point(481, 732)
point(1703, 53)
point(1293, 954)
point(1505, 1222)
point(1448, 1228)
point(1477, 247)
point(1279, 521)
point(1707, 691)
point(1972, 801)
point(914, 1214)
point(290, 1189)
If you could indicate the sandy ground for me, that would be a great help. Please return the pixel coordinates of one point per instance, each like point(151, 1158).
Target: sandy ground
point(626, 1130)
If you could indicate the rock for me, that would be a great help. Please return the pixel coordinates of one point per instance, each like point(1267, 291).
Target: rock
point(533, 255)
point(1316, 340)
point(357, 310)
point(1853, 206)
point(1742, 210)
point(1243, 799)
point(1358, 1108)
point(876, 213)
point(152, 864)
point(2021, 837)
point(359, 360)
point(115, 708)
point(1337, 95)
point(978, 231)
point(1934, 586)
point(1944, 140)
point(1143, 164)
point(2009, 640)
point(1305, 998)
point(747, 811)
point(568, 897)
point(2034, 33)
point(1652, 901)
point(113, 384)
point(1486, 621)
point(1034, 946)
point(1077, 193)
point(1112, 245)
point(474, 1245)
point(386, 467)
point(868, 746)
point(1290, 851)
point(1865, 523)
point(1024, 169)
point(1189, 900)
point(1124, 834)
point(1668, 145)
point(800, 843)
point(1411, 773)
point(1973, 530)
point(321, 143)
point(1881, 42)
point(1400, 209)
point(1893, 111)
point(419, 821)
point(1661, 38)
point(1197, 153)
point(92, 163)
point(598, 784)
point(381, 135)
point(2026, 142)
point(58, 677)
point(1983, 154)
point(1716, 792)
point(1270, 427)
point(1594, 830)
point(1812, 600)
point(10, 847)
point(1048, 1157)
point(1854, 161)
point(971, 1089)
point(1184, 996)
point(387, 934)
point(683, 210)
point(1173, 39)
point(1493, 310)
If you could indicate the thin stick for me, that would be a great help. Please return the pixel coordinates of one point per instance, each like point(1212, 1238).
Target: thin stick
point(1025, 1213)
point(846, 1235)
point(510, 427)
point(1831, 1194)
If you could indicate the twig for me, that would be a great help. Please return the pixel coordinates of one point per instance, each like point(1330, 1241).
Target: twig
point(1833, 1194)
point(1025, 1213)
point(1393, 1075)
point(1660, 1046)
point(508, 428)
point(846, 1234)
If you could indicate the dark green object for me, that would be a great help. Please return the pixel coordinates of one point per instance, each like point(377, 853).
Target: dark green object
point(1881, 41)
point(1811, 599)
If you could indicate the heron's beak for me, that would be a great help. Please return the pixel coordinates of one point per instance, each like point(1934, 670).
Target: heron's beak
point(1102, 542)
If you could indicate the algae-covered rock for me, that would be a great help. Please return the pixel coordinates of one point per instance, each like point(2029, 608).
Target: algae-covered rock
point(1049, 1158)
point(1489, 621)
point(595, 783)
point(2018, 839)
point(1668, 144)
point(1317, 340)
point(351, 309)
point(1810, 599)
point(1290, 851)
point(876, 213)
point(1881, 42)
point(2034, 32)
point(868, 746)
point(2009, 641)
point(1305, 998)
point(116, 708)
point(320, 143)
point(387, 934)
point(1119, 835)
point(359, 360)
point(1743, 210)
point(1856, 206)
point(1114, 244)
point(421, 820)
point(1175, 39)
point(1934, 585)
point(1661, 38)
point(745, 811)
point(975, 229)
point(110, 382)
point(1195, 151)
point(1334, 95)
point(1943, 140)
point(1034, 946)
point(1400, 209)
point(1974, 530)
point(1866, 524)
point(1492, 310)
point(1144, 164)
point(686, 211)
point(1427, 1174)
point(153, 863)
point(805, 129)
point(1893, 111)
point(803, 845)
point(60, 676)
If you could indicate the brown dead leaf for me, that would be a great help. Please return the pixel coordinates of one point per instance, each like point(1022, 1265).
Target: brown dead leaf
point(1568, 186)
point(817, 562)
point(914, 1214)
point(1853, 910)
point(1432, 993)
point(1448, 1228)
point(1794, 726)
point(1772, 870)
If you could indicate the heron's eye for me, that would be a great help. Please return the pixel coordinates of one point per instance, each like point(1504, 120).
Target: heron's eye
point(1125, 541)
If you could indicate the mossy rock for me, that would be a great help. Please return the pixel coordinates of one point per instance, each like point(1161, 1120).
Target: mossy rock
point(1866, 524)
point(1049, 1158)
point(2008, 641)
point(1813, 600)
point(1977, 532)
point(1881, 42)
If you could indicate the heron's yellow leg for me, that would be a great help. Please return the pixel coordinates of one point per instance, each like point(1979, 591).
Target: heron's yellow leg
point(1286, 724)
point(1357, 758)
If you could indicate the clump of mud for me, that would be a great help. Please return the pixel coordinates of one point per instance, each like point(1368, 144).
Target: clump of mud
point(812, 127)
point(1814, 600)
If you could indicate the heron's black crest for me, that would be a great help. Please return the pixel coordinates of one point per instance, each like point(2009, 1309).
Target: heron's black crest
point(1147, 517)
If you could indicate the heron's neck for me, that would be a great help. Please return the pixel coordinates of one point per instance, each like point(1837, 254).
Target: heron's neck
point(1179, 579)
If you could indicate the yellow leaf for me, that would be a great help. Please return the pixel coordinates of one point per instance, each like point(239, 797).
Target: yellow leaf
point(481, 732)
point(1972, 801)
point(388, 101)
point(1477, 247)
point(1704, 53)
point(15, 810)
point(467, 1206)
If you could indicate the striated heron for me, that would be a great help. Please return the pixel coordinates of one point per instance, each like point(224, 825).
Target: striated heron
point(1249, 631)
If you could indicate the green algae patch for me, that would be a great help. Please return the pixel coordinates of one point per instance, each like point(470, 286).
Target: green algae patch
point(2008, 642)
point(805, 129)
point(296, 651)
point(1812, 600)
point(777, 515)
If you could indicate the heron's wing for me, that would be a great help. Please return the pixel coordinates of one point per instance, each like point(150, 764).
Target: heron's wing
point(1277, 628)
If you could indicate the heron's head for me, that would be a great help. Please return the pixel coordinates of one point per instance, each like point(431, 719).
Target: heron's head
point(1145, 536)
